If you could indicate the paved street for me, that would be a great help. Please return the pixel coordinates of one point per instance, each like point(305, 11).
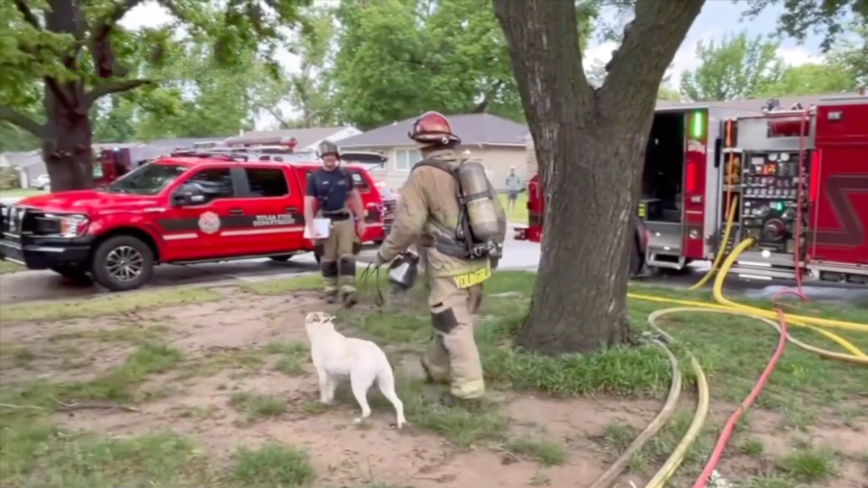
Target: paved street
point(523, 255)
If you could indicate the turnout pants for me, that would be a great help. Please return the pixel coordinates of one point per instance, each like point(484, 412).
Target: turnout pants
point(452, 355)
point(338, 260)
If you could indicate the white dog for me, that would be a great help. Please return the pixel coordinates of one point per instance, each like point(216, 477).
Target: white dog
point(336, 356)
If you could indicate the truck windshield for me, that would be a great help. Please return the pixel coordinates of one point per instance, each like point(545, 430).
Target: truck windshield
point(148, 179)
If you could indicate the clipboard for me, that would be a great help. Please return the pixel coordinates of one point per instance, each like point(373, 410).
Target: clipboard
point(321, 229)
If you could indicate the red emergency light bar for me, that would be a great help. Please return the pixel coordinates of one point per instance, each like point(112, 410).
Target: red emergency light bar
point(288, 142)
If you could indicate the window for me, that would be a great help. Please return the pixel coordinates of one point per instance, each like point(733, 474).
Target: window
point(148, 179)
point(406, 158)
point(215, 182)
point(360, 182)
point(267, 182)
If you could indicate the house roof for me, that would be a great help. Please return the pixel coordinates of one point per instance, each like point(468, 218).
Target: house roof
point(471, 128)
point(304, 137)
point(23, 159)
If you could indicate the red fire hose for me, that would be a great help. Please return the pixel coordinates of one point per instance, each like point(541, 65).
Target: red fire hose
point(728, 429)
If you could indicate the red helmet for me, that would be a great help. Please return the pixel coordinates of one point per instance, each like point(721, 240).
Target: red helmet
point(433, 128)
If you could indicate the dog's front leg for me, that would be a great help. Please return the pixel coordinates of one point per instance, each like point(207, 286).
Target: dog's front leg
point(331, 387)
point(326, 393)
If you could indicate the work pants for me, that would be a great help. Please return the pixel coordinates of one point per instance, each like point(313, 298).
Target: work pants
point(452, 355)
point(338, 258)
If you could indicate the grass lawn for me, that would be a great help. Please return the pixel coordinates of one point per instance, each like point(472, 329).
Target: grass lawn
point(517, 215)
point(19, 192)
point(192, 386)
point(7, 267)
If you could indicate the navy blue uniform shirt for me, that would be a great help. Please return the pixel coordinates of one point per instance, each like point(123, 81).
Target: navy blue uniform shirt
point(330, 188)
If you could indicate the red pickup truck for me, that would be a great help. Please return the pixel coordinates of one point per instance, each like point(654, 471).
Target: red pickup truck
point(190, 207)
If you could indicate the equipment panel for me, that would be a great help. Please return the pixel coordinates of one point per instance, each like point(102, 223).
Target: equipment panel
point(775, 193)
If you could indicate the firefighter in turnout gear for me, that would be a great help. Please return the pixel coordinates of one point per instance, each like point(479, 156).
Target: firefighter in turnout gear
point(330, 194)
point(461, 236)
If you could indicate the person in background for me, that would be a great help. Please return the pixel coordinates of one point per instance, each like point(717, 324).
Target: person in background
point(330, 194)
point(514, 186)
point(427, 215)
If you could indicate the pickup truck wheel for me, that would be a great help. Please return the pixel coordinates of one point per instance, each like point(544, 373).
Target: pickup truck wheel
point(123, 263)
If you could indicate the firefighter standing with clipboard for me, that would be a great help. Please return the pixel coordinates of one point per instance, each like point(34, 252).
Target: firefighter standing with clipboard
point(330, 194)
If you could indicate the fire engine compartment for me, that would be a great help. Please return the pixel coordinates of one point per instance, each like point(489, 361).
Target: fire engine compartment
point(663, 172)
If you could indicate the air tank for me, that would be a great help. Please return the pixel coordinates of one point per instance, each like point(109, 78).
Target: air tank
point(481, 212)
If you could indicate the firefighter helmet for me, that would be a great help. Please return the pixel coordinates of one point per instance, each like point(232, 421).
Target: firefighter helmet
point(328, 147)
point(433, 128)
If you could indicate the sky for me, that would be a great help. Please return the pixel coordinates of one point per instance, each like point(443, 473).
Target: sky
point(717, 18)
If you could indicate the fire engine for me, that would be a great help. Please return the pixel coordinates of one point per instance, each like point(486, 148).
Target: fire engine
point(795, 178)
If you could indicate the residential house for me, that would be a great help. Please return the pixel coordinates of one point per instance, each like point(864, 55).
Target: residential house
point(162, 147)
point(307, 140)
point(493, 141)
point(29, 164)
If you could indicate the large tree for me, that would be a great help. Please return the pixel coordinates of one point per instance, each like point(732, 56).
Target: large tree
point(76, 52)
point(590, 143)
point(735, 67)
point(810, 79)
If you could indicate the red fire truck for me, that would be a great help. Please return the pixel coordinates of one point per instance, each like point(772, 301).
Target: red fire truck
point(798, 177)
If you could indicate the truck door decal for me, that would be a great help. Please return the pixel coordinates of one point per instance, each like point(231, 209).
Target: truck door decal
point(233, 222)
point(837, 190)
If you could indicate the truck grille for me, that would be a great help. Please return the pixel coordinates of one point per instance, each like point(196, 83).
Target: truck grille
point(15, 221)
point(11, 220)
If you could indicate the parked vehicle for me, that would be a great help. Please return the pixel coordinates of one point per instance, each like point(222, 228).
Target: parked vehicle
point(796, 178)
point(41, 182)
point(390, 201)
point(194, 206)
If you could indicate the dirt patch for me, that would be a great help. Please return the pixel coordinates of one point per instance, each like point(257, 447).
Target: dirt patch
point(251, 397)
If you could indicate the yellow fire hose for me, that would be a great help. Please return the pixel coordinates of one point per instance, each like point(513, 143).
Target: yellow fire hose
point(726, 306)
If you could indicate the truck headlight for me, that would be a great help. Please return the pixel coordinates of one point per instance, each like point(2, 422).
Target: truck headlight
point(70, 225)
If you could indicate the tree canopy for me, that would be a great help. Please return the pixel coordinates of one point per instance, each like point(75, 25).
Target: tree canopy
point(741, 67)
point(59, 57)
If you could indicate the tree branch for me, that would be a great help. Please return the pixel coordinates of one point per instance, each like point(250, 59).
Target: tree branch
point(543, 38)
point(28, 14)
point(102, 30)
point(104, 89)
point(649, 45)
point(13, 116)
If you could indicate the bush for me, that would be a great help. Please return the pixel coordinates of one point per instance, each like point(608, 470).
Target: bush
point(9, 178)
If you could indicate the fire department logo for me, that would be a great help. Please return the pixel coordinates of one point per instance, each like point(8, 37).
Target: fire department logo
point(209, 222)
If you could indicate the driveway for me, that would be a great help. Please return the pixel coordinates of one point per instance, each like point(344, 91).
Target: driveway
point(518, 255)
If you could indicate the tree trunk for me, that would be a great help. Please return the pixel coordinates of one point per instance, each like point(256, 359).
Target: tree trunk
point(66, 145)
point(590, 145)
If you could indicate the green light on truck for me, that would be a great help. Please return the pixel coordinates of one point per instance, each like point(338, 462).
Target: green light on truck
point(698, 125)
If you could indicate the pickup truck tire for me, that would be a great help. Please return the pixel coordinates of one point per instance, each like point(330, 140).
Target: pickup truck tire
point(122, 263)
